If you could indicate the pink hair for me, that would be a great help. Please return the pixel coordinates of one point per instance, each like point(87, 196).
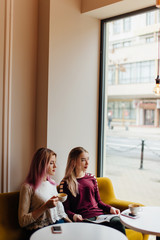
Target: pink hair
point(38, 167)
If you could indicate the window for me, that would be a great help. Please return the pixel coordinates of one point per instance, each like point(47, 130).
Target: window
point(130, 73)
point(138, 72)
point(147, 71)
point(149, 39)
point(116, 27)
point(121, 109)
point(121, 44)
point(129, 111)
point(127, 24)
point(111, 75)
point(127, 43)
point(150, 18)
point(117, 45)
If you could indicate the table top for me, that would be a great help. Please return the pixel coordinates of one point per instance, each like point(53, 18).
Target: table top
point(78, 231)
point(147, 222)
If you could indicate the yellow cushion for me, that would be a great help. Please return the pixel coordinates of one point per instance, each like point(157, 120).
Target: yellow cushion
point(9, 226)
point(132, 235)
point(10, 234)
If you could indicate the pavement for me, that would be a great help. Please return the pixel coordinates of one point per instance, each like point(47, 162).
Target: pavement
point(135, 131)
point(130, 182)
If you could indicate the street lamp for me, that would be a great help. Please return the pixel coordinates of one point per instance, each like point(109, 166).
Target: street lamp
point(156, 89)
point(158, 3)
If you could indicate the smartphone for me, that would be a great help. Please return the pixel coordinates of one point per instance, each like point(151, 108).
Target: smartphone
point(56, 229)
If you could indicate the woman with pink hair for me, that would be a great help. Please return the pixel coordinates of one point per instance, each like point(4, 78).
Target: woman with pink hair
point(38, 203)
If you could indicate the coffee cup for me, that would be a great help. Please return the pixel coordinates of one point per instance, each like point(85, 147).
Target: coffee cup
point(62, 197)
point(134, 208)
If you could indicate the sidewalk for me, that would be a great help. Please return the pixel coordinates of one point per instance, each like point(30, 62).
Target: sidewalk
point(130, 182)
point(139, 132)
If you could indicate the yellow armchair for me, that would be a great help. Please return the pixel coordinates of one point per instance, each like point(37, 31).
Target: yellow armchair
point(9, 226)
point(108, 196)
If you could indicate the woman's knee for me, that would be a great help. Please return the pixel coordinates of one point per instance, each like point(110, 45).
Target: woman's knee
point(116, 223)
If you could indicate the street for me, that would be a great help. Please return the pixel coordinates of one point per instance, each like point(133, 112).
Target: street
point(132, 148)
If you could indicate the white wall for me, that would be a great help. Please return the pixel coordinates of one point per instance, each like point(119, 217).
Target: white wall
point(73, 82)
point(73, 65)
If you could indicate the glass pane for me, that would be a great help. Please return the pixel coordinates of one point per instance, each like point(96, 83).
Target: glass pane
point(132, 121)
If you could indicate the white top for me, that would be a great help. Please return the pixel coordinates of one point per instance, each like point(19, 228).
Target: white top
point(147, 222)
point(79, 231)
point(31, 200)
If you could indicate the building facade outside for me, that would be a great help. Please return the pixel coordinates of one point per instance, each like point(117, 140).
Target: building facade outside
point(132, 66)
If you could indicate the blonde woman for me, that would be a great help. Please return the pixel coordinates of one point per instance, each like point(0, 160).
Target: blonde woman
point(83, 200)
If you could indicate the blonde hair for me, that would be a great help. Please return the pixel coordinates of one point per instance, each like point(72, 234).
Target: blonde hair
point(70, 172)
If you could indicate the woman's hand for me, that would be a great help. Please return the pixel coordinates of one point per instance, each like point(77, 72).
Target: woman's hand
point(77, 218)
point(114, 210)
point(52, 202)
point(67, 219)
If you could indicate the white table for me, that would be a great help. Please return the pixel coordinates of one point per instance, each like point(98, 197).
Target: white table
point(79, 231)
point(148, 221)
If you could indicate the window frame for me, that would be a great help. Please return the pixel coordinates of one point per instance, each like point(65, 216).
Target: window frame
point(101, 109)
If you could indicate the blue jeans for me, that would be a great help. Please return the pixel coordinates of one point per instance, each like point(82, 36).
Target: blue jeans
point(60, 221)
